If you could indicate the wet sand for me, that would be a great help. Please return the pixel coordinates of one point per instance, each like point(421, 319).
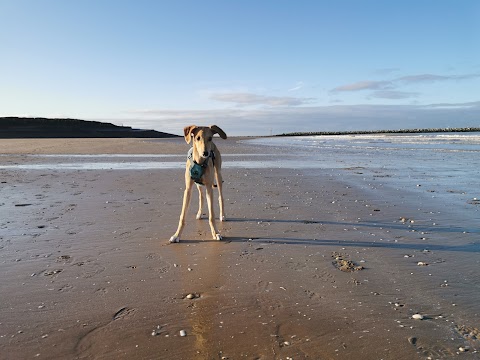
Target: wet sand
point(313, 265)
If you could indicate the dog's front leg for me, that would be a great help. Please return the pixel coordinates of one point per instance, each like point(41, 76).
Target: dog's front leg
point(211, 214)
point(186, 202)
point(200, 203)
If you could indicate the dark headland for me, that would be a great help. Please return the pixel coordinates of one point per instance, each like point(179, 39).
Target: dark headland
point(35, 128)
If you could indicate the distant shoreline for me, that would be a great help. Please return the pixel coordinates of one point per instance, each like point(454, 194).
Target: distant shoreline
point(367, 132)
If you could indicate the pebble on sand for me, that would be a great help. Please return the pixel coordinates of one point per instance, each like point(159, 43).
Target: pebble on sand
point(183, 333)
point(417, 316)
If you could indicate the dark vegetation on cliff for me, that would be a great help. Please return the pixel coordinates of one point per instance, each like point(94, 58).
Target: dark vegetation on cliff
point(29, 128)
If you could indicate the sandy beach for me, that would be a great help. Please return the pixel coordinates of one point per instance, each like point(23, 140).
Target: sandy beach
point(315, 263)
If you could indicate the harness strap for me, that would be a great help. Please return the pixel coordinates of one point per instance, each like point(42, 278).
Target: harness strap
point(212, 155)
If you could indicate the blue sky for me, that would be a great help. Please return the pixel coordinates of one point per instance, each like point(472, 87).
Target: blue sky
point(251, 67)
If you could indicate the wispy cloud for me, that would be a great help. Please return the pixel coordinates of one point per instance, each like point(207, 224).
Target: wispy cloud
point(245, 99)
point(428, 78)
point(393, 94)
point(297, 86)
point(422, 78)
point(396, 82)
point(386, 71)
point(364, 85)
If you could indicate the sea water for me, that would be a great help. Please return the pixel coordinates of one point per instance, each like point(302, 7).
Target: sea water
point(448, 160)
point(438, 170)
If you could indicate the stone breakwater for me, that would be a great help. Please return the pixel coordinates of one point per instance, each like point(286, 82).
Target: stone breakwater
point(399, 131)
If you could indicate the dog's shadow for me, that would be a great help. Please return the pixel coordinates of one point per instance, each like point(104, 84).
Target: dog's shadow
point(371, 224)
point(471, 247)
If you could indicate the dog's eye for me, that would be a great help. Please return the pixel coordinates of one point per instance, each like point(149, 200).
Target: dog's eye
point(198, 138)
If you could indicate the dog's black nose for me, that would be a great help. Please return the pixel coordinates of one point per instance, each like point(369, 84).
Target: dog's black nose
point(205, 153)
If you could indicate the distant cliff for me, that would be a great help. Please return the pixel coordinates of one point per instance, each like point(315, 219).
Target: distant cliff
point(22, 128)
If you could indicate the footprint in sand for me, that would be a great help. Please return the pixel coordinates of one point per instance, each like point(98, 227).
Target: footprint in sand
point(312, 295)
point(64, 258)
point(264, 286)
point(324, 276)
point(93, 343)
point(93, 270)
point(287, 337)
point(101, 291)
point(89, 268)
point(161, 269)
point(160, 266)
point(65, 288)
point(266, 300)
point(52, 272)
point(297, 266)
point(70, 207)
point(153, 256)
point(431, 351)
point(123, 313)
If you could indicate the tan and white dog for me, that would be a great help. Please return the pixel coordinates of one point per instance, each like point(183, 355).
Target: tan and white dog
point(203, 167)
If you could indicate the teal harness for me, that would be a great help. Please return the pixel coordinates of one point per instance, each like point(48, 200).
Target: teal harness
point(196, 169)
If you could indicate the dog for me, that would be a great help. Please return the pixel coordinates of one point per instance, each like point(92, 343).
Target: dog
point(203, 167)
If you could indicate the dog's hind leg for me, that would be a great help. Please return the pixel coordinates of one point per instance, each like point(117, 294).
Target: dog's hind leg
point(200, 202)
point(211, 215)
point(186, 202)
point(219, 179)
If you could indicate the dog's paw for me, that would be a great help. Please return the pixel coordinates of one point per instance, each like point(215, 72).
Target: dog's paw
point(174, 239)
point(217, 237)
point(199, 216)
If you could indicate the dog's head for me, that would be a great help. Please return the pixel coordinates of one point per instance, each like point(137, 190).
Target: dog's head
point(202, 137)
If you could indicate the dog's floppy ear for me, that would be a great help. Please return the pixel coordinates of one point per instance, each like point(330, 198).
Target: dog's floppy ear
point(187, 132)
point(216, 130)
